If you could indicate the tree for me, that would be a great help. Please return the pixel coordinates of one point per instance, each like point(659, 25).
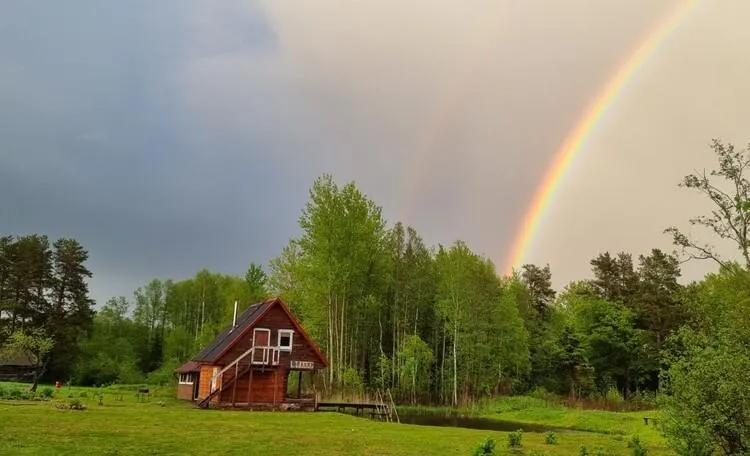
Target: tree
point(70, 312)
point(340, 253)
point(539, 283)
point(615, 278)
point(658, 308)
point(707, 409)
point(415, 370)
point(256, 281)
point(43, 288)
point(36, 345)
point(730, 197)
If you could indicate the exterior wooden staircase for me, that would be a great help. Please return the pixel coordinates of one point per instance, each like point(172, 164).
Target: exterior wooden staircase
point(269, 356)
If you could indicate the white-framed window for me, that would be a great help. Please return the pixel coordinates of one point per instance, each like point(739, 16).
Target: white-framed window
point(285, 339)
point(187, 378)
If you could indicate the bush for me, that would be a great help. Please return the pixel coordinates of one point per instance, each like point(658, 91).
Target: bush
point(14, 393)
point(47, 392)
point(637, 446)
point(352, 382)
point(613, 396)
point(514, 439)
point(486, 448)
point(550, 438)
point(72, 404)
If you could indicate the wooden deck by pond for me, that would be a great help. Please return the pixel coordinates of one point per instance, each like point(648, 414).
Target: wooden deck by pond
point(377, 409)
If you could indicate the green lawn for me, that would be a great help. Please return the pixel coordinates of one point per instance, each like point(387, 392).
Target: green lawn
point(165, 426)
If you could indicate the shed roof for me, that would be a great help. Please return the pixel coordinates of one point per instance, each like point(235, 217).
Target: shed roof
point(16, 359)
point(190, 366)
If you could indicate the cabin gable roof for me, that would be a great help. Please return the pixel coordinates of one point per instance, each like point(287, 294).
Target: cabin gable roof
point(224, 342)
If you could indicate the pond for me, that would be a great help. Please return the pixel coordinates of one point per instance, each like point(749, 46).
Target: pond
point(447, 419)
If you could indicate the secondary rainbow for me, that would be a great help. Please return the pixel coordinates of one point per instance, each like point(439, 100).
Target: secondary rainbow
point(577, 138)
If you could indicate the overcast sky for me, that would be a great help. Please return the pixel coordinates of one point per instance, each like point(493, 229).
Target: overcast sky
point(174, 135)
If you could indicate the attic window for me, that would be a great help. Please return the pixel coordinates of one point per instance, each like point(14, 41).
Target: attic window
point(285, 339)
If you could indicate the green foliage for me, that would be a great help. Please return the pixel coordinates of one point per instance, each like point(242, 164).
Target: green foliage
point(636, 447)
point(485, 448)
point(583, 451)
point(429, 324)
point(550, 438)
point(352, 382)
point(256, 281)
point(47, 392)
point(614, 396)
point(708, 405)
point(417, 359)
point(514, 439)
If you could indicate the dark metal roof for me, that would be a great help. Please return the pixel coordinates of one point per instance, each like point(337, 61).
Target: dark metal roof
point(190, 366)
point(227, 337)
point(16, 359)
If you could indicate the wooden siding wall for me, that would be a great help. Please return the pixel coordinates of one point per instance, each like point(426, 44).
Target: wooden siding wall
point(204, 388)
point(258, 386)
point(185, 392)
point(274, 320)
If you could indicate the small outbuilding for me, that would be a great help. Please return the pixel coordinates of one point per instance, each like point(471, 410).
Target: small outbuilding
point(16, 367)
point(255, 362)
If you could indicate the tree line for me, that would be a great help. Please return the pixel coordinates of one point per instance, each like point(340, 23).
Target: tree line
point(434, 324)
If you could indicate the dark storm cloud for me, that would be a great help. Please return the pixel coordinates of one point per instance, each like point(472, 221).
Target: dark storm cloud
point(95, 145)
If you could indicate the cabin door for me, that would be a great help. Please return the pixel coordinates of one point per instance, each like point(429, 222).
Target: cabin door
point(261, 341)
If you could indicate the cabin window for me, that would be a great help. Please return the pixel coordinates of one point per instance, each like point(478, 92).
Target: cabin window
point(187, 378)
point(285, 339)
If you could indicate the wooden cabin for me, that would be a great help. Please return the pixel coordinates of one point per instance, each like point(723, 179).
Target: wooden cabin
point(250, 363)
point(16, 367)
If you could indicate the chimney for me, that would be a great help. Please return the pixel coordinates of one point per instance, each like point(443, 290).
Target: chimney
point(234, 319)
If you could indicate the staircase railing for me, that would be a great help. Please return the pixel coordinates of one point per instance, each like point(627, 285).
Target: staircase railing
point(270, 356)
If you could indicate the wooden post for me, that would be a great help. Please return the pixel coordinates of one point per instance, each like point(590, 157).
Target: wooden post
point(313, 379)
point(275, 385)
point(299, 384)
point(250, 387)
point(234, 387)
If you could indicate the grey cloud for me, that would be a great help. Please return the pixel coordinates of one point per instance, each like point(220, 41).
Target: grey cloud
point(169, 136)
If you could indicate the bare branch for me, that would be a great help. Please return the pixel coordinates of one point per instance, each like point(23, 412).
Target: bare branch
point(730, 218)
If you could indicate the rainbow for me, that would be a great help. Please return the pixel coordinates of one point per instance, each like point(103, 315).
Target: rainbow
point(575, 141)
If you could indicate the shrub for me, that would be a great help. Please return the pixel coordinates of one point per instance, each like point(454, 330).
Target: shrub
point(84, 395)
point(514, 439)
point(550, 438)
point(47, 392)
point(637, 446)
point(14, 393)
point(613, 397)
point(72, 404)
point(485, 448)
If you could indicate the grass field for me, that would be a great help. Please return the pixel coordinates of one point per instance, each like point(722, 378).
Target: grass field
point(164, 426)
